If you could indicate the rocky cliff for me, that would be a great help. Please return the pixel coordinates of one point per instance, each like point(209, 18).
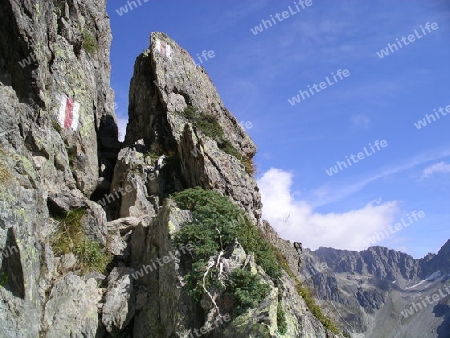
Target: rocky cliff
point(380, 292)
point(102, 239)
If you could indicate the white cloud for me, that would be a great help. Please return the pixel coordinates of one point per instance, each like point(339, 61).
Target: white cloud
point(122, 125)
point(437, 168)
point(296, 220)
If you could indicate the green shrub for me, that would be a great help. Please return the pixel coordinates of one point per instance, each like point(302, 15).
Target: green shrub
point(190, 113)
point(92, 255)
point(90, 44)
point(247, 290)
point(70, 238)
point(214, 214)
point(155, 152)
point(210, 126)
point(217, 222)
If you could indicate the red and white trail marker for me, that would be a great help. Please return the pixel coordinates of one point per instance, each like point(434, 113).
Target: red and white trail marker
point(163, 48)
point(68, 113)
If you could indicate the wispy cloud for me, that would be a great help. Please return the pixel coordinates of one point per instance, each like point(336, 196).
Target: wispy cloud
point(342, 192)
point(361, 121)
point(236, 13)
point(437, 168)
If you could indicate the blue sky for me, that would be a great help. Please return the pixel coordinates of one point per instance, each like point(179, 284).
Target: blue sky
point(381, 99)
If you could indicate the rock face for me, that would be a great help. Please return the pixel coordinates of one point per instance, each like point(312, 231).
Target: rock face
point(57, 124)
point(84, 219)
point(165, 82)
point(377, 292)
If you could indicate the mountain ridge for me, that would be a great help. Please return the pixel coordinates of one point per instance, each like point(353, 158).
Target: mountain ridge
point(374, 288)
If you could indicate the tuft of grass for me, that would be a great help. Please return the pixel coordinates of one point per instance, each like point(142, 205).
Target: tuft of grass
point(90, 44)
point(3, 279)
point(281, 318)
point(56, 126)
point(92, 255)
point(5, 175)
point(70, 238)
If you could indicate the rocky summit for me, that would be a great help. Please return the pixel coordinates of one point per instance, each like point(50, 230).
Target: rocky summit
point(157, 236)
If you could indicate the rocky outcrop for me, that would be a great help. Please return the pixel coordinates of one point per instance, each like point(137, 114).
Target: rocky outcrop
point(166, 81)
point(58, 146)
point(168, 310)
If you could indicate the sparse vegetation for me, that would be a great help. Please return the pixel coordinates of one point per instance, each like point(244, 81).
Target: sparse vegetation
point(190, 113)
point(90, 44)
point(56, 126)
point(314, 308)
point(5, 175)
point(70, 238)
point(281, 316)
point(3, 278)
point(210, 126)
point(155, 152)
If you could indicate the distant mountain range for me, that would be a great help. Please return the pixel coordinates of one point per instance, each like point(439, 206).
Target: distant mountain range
point(382, 293)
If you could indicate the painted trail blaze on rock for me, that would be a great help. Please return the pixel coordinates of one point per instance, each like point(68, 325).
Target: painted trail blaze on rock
point(163, 48)
point(68, 113)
